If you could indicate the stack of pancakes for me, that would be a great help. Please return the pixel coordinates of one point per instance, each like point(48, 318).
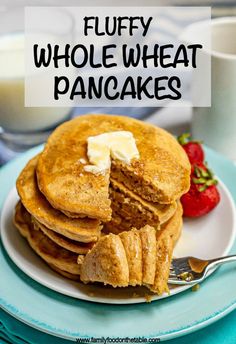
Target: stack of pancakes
point(65, 211)
point(50, 232)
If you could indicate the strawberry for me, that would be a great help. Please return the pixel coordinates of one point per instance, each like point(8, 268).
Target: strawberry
point(203, 195)
point(193, 149)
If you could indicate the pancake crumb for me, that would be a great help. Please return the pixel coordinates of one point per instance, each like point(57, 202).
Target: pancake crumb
point(196, 287)
point(148, 298)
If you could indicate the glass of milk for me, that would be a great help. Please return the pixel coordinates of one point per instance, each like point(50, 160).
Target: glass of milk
point(22, 127)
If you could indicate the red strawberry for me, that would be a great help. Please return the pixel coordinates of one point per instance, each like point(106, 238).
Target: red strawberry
point(203, 195)
point(193, 149)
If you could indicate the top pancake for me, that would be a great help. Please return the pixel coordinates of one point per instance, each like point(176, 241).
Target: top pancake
point(84, 230)
point(160, 175)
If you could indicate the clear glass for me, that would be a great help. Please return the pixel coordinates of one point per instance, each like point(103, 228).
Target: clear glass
point(23, 127)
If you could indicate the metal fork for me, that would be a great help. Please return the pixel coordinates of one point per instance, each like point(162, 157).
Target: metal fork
point(191, 270)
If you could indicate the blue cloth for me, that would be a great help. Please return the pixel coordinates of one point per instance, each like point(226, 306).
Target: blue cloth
point(15, 332)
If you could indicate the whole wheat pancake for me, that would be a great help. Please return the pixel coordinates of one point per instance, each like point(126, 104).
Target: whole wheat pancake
point(70, 245)
point(149, 252)
point(162, 174)
point(50, 252)
point(84, 230)
point(133, 249)
point(64, 273)
point(125, 222)
point(159, 212)
point(106, 263)
point(133, 211)
point(136, 257)
point(166, 240)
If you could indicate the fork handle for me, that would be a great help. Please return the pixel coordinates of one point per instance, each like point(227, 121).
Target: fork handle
point(220, 261)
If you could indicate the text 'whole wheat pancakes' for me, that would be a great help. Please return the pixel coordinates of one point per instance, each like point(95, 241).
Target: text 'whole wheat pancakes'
point(118, 227)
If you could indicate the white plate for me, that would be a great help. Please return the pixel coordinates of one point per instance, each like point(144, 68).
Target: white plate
point(207, 237)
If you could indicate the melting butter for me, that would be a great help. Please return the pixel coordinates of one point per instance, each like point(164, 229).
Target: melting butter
point(118, 145)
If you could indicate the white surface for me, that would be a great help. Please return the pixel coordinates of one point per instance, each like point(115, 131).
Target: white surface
point(208, 237)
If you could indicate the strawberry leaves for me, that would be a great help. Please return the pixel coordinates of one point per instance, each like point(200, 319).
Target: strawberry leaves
point(184, 138)
point(204, 177)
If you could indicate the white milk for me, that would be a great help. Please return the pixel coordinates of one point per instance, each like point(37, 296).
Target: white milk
point(13, 115)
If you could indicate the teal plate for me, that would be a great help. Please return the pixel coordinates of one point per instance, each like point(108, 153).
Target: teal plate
point(71, 318)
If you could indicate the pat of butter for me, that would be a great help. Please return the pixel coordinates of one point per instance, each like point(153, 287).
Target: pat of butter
point(118, 145)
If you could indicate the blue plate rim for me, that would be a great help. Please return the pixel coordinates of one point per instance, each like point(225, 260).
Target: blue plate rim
point(63, 333)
